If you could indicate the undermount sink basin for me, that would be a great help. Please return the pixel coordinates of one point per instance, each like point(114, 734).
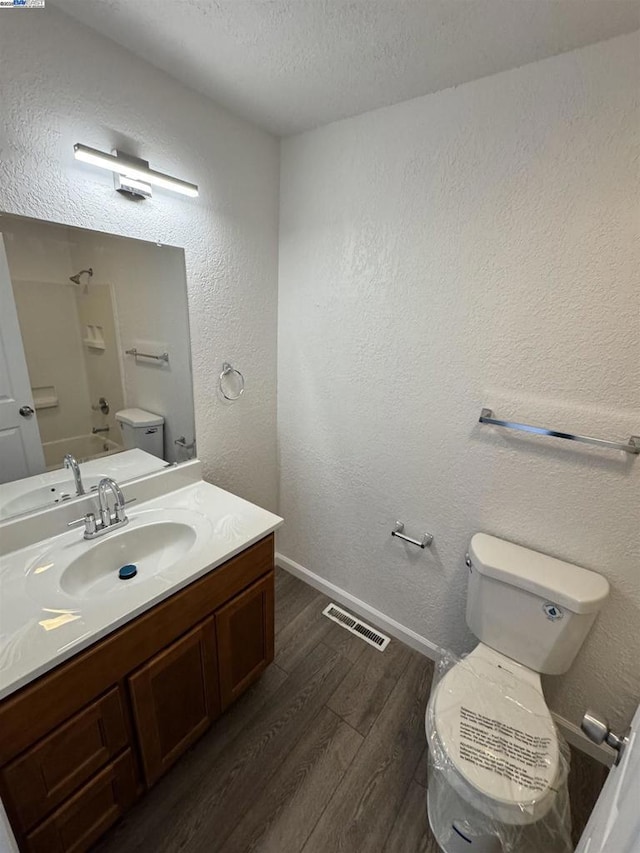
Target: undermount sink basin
point(151, 549)
point(84, 571)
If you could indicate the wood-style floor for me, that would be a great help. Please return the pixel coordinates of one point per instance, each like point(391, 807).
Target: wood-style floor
point(326, 753)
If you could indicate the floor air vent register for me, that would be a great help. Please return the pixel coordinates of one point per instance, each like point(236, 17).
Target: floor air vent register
point(356, 626)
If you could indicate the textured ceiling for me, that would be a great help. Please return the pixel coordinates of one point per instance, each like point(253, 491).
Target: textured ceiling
point(290, 65)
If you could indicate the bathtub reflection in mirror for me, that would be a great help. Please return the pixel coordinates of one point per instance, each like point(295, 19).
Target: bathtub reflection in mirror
point(95, 360)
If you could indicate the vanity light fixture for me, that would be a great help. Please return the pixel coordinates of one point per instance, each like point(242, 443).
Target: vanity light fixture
point(133, 175)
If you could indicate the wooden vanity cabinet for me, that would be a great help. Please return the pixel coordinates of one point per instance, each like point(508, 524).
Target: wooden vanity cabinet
point(81, 743)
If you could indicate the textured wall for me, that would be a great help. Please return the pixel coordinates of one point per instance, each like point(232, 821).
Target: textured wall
point(62, 83)
point(473, 247)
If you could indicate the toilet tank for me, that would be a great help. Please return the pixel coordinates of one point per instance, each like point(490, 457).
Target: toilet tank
point(533, 608)
point(142, 429)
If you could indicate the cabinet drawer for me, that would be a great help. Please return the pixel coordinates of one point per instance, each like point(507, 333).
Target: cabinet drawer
point(40, 779)
point(83, 818)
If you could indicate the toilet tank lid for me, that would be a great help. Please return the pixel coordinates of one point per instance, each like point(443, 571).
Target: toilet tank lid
point(579, 590)
point(138, 418)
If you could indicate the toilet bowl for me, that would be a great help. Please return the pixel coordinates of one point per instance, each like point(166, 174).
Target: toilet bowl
point(497, 765)
point(496, 743)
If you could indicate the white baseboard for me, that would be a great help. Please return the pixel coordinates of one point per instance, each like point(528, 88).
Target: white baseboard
point(421, 644)
point(380, 620)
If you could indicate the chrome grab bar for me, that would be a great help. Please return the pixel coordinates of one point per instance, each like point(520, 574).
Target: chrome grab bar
point(425, 542)
point(632, 446)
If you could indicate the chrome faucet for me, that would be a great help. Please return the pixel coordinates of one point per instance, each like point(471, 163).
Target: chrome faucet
point(119, 517)
point(106, 521)
point(71, 462)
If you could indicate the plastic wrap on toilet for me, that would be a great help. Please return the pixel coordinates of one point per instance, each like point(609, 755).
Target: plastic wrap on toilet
point(498, 767)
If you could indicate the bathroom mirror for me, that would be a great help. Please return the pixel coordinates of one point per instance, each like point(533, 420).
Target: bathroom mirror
point(95, 360)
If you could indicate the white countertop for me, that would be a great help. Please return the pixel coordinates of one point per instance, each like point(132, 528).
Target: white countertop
point(42, 625)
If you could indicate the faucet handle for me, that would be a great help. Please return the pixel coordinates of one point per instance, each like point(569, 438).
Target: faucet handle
point(77, 521)
point(89, 521)
point(119, 512)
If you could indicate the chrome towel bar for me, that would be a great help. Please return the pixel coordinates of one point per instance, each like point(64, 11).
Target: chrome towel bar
point(632, 446)
point(425, 542)
point(164, 356)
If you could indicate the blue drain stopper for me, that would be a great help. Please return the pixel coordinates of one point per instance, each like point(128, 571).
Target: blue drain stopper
point(127, 572)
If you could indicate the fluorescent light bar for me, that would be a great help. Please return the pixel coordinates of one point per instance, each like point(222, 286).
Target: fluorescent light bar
point(122, 166)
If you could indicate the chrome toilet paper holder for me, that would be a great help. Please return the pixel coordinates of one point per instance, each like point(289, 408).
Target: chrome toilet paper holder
point(424, 542)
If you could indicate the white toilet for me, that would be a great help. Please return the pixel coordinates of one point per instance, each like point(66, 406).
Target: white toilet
point(142, 429)
point(497, 772)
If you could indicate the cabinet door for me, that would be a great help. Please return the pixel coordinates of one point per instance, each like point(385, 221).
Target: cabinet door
point(244, 630)
point(175, 698)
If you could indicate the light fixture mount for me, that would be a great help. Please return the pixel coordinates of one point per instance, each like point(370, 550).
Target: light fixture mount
point(135, 173)
point(131, 188)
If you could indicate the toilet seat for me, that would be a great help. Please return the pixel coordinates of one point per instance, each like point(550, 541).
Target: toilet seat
point(489, 728)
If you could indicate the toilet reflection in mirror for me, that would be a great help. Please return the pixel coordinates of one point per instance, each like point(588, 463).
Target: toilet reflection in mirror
point(77, 301)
